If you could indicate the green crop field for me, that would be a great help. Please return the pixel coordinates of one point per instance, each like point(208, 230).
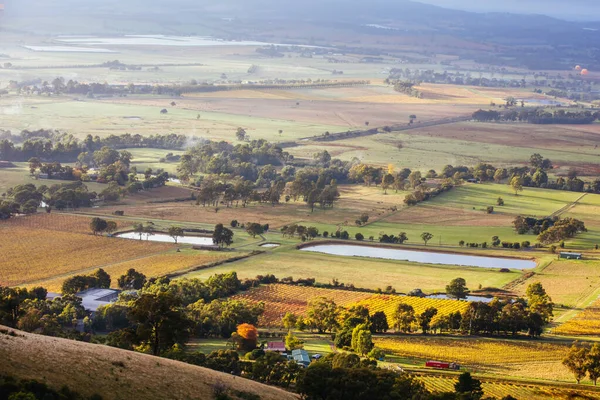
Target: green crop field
point(362, 272)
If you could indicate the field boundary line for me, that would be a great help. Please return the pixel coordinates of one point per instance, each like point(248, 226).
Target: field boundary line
point(567, 207)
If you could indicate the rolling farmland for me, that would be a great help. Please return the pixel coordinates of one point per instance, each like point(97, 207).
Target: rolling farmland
point(280, 299)
point(516, 358)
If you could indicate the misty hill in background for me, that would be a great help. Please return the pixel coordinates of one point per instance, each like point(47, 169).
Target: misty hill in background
point(540, 42)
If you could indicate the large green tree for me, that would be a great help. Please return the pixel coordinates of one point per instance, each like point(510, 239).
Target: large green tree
point(160, 321)
point(457, 288)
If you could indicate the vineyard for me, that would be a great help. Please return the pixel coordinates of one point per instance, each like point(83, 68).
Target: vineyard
point(29, 255)
point(586, 322)
point(55, 222)
point(499, 389)
point(151, 266)
point(389, 303)
point(280, 299)
point(518, 358)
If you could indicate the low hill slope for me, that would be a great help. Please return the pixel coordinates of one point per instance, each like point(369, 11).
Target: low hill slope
point(115, 373)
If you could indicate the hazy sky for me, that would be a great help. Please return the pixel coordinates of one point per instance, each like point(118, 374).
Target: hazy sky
point(564, 9)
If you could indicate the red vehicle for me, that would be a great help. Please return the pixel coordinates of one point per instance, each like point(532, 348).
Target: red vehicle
point(442, 365)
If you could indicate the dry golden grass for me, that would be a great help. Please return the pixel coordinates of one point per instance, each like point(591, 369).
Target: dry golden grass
point(586, 322)
point(355, 200)
point(29, 255)
point(516, 358)
point(245, 94)
point(90, 368)
point(151, 266)
point(500, 389)
point(567, 282)
point(280, 299)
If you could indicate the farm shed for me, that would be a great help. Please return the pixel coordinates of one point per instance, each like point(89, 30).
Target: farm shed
point(570, 256)
point(301, 357)
point(92, 299)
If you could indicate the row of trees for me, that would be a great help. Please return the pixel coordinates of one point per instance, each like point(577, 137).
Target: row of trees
point(524, 315)
point(538, 116)
point(56, 146)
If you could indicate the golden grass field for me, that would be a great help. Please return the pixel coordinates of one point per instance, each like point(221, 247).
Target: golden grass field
point(354, 200)
point(569, 283)
point(500, 389)
point(91, 368)
point(585, 323)
point(515, 358)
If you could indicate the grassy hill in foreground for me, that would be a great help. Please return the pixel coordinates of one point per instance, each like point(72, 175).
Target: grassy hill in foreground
point(114, 373)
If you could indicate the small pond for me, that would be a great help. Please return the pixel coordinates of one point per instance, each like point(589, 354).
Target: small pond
point(425, 257)
point(482, 299)
point(161, 237)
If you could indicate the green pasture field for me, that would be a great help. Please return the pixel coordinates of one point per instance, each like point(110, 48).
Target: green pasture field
point(529, 202)
point(416, 149)
point(362, 272)
point(10, 177)
point(149, 158)
point(104, 118)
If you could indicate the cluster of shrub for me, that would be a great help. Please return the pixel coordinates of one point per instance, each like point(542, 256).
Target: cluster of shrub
point(302, 231)
point(497, 243)
point(549, 230)
point(401, 238)
point(26, 199)
point(423, 194)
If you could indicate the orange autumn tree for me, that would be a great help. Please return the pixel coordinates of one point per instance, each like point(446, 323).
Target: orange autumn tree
point(247, 336)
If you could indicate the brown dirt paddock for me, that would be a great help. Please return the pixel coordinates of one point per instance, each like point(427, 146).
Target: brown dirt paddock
point(354, 200)
point(447, 216)
point(552, 137)
point(322, 112)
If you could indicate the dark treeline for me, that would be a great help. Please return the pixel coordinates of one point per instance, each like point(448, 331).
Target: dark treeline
point(59, 86)
point(538, 116)
point(572, 86)
point(25, 199)
point(50, 145)
point(534, 175)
